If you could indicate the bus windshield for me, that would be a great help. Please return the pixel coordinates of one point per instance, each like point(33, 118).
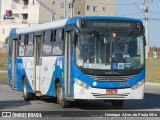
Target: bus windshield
point(110, 51)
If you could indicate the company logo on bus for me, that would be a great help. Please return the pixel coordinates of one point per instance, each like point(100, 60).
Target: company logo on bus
point(124, 84)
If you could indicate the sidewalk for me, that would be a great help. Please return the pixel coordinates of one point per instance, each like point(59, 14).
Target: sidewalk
point(149, 83)
point(3, 71)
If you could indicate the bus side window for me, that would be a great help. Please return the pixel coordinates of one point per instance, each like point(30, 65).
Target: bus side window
point(29, 45)
point(21, 45)
point(58, 42)
point(26, 39)
point(47, 44)
point(53, 36)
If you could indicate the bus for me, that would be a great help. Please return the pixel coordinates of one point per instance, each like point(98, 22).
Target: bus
point(79, 58)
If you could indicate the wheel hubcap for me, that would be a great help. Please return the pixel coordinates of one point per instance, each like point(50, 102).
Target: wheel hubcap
point(25, 90)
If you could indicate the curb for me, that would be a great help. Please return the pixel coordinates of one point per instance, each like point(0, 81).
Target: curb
point(149, 83)
point(3, 72)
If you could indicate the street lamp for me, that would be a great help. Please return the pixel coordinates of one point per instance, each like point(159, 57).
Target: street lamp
point(72, 6)
point(49, 9)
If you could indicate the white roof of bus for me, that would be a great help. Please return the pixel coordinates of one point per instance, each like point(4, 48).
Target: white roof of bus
point(51, 25)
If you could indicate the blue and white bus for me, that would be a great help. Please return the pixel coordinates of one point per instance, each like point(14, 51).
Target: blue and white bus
point(89, 58)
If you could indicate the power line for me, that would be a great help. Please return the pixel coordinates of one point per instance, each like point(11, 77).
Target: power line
point(132, 14)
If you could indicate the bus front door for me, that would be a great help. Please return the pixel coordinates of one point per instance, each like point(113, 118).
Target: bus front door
point(67, 69)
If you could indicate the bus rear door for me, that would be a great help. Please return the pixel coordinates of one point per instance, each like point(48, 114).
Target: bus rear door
point(14, 56)
point(37, 60)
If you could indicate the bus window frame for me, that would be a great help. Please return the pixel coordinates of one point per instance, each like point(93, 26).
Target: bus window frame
point(59, 41)
point(21, 40)
point(27, 44)
point(44, 42)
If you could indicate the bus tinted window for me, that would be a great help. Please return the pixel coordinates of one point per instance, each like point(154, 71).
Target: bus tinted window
point(29, 50)
point(58, 48)
point(58, 43)
point(47, 49)
point(21, 50)
point(26, 39)
point(21, 45)
point(59, 35)
point(30, 39)
point(47, 43)
point(53, 35)
point(22, 39)
point(47, 38)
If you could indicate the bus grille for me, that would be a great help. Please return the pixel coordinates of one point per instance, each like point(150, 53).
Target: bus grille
point(111, 78)
point(98, 95)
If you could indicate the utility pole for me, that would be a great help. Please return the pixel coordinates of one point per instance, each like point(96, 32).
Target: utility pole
point(72, 7)
point(144, 7)
point(64, 9)
point(146, 30)
point(49, 9)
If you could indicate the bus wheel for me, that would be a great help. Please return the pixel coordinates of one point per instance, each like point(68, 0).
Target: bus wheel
point(27, 96)
point(117, 103)
point(60, 99)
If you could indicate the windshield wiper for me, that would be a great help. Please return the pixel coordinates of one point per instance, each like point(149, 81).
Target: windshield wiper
point(130, 32)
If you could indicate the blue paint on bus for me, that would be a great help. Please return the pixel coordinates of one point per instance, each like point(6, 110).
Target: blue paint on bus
point(74, 19)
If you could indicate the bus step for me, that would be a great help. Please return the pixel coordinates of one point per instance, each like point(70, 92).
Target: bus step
point(69, 98)
point(38, 94)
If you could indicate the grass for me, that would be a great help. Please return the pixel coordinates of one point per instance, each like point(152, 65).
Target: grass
point(3, 67)
point(3, 78)
point(3, 61)
point(153, 70)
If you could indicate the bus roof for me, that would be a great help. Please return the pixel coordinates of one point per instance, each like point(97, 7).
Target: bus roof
point(62, 23)
point(74, 19)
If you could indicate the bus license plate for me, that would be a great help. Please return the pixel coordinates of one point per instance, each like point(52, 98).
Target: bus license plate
point(111, 91)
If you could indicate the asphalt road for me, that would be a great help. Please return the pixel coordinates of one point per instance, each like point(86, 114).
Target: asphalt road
point(12, 100)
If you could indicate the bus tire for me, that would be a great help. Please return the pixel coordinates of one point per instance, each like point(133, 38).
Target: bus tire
point(60, 99)
point(117, 103)
point(27, 96)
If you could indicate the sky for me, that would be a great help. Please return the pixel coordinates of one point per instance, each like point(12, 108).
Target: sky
point(131, 8)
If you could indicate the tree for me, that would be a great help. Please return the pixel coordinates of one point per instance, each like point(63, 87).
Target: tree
point(6, 40)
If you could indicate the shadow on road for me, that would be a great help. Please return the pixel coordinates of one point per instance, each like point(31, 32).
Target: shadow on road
point(13, 104)
point(150, 101)
point(48, 99)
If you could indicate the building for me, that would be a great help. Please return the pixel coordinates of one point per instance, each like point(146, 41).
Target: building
point(85, 8)
point(24, 13)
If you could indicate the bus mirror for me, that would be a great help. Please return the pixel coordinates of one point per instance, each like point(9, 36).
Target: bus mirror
point(144, 40)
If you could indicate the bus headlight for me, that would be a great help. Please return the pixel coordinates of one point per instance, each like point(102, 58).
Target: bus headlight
point(137, 85)
point(81, 83)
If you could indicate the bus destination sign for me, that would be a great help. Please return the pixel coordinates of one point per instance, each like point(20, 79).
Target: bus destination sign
point(110, 24)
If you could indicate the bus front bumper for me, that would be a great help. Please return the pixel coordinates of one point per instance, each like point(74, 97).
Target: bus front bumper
point(101, 94)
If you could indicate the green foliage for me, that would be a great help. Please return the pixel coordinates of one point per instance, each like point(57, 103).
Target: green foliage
point(153, 70)
point(3, 78)
point(3, 61)
point(6, 40)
